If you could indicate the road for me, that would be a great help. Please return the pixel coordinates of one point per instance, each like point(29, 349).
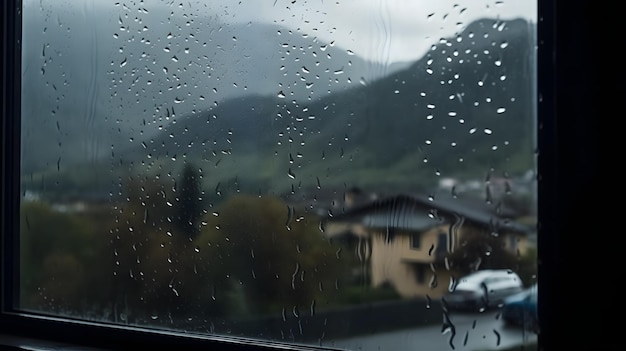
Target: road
point(481, 331)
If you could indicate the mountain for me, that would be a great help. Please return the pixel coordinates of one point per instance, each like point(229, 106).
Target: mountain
point(95, 78)
point(465, 108)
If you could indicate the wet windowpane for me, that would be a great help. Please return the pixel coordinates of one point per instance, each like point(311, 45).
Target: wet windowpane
point(352, 174)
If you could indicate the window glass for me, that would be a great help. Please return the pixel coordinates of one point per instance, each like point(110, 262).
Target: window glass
point(309, 172)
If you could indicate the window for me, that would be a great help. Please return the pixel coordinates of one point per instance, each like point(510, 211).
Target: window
point(420, 273)
point(416, 241)
point(442, 240)
point(46, 193)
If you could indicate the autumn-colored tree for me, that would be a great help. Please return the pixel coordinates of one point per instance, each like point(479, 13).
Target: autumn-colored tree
point(253, 255)
point(269, 256)
point(152, 255)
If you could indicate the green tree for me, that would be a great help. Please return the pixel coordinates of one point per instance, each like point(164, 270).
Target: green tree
point(63, 260)
point(151, 254)
point(269, 257)
point(189, 201)
point(253, 255)
point(481, 250)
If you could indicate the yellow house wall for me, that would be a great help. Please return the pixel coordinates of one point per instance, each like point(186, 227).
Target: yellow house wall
point(521, 243)
point(394, 262)
point(388, 265)
point(428, 239)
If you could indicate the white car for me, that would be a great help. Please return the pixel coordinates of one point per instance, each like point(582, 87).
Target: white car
point(483, 289)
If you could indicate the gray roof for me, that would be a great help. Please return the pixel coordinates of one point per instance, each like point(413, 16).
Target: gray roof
point(414, 212)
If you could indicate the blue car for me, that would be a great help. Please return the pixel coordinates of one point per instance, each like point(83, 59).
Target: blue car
point(521, 310)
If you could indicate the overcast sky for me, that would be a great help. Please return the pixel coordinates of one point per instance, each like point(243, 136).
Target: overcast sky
point(380, 30)
point(385, 31)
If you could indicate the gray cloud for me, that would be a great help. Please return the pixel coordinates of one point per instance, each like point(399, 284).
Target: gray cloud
point(380, 30)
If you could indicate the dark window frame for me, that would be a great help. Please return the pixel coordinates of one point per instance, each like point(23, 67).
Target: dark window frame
point(564, 86)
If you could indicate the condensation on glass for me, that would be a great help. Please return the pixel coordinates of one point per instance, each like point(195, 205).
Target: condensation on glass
point(353, 174)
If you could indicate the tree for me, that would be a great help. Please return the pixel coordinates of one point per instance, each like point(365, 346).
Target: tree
point(481, 250)
point(189, 201)
point(64, 265)
point(152, 258)
point(257, 249)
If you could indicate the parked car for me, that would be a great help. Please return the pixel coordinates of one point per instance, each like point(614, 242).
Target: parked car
point(521, 309)
point(483, 289)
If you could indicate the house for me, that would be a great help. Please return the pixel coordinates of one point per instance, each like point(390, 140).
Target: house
point(407, 239)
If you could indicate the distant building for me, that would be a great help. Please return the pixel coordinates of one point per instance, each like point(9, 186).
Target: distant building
point(30, 195)
point(495, 188)
point(406, 238)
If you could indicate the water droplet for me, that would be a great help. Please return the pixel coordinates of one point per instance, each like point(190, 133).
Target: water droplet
point(433, 281)
point(281, 94)
point(290, 174)
point(452, 284)
point(290, 215)
point(497, 337)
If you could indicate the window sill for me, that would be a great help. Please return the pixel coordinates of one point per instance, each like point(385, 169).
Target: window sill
point(12, 342)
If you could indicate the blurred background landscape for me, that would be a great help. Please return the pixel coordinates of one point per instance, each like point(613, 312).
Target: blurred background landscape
point(177, 168)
